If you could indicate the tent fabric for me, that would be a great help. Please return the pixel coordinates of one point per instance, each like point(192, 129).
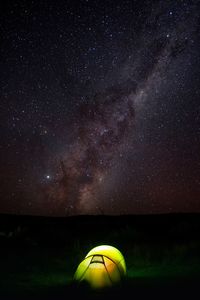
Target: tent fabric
point(103, 266)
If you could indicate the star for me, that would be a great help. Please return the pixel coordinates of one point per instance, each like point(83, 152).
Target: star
point(100, 107)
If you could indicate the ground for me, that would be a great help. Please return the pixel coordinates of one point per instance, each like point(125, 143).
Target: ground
point(39, 255)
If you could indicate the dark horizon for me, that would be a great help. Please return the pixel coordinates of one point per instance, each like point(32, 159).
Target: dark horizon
point(100, 107)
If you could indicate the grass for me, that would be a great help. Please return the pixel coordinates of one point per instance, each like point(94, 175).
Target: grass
point(161, 253)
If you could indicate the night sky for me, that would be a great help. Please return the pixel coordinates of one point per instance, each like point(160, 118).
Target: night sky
point(100, 107)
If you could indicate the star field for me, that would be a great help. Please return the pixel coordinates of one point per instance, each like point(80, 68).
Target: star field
point(100, 107)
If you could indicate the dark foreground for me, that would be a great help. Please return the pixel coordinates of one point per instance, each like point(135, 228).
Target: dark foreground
point(40, 255)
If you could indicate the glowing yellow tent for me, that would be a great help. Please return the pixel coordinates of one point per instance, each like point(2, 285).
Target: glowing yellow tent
point(103, 266)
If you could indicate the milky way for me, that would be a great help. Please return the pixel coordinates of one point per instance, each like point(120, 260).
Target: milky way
point(101, 133)
point(102, 116)
point(106, 124)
